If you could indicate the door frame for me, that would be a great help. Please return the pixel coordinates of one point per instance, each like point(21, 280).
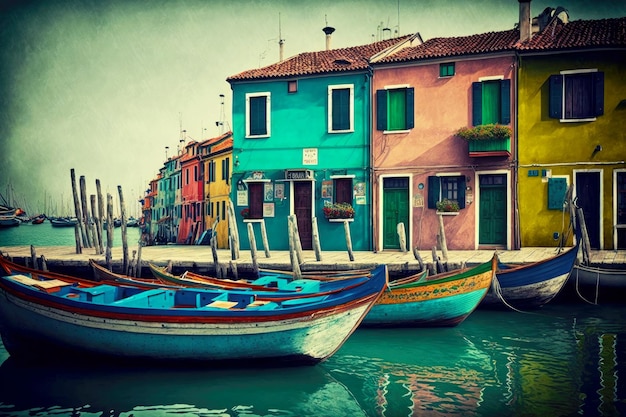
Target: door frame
point(292, 196)
point(408, 228)
point(477, 175)
point(600, 197)
point(615, 224)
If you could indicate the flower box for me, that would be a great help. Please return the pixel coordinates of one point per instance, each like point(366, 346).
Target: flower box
point(338, 211)
point(490, 147)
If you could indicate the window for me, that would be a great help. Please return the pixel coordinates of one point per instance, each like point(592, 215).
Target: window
point(340, 108)
point(446, 70)
point(451, 187)
point(491, 102)
point(395, 108)
point(211, 171)
point(258, 115)
point(225, 169)
point(292, 86)
point(343, 190)
point(577, 95)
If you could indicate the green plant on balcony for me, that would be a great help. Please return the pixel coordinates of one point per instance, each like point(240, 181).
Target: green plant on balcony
point(448, 206)
point(338, 210)
point(484, 132)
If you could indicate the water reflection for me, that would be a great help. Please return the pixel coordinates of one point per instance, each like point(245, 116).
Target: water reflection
point(81, 390)
point(494, 364)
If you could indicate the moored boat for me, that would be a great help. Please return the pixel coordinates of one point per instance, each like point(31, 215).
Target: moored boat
point(42, 313)
point(592, 283)
point(530, 286)
point(9, 221)
point(63, 221)
point(443, 300)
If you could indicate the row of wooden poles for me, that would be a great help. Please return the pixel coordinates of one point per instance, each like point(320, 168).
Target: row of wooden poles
point(88, 230)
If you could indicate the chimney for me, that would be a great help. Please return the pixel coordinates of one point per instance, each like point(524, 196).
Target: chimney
point(328, 31)
point(524, 20)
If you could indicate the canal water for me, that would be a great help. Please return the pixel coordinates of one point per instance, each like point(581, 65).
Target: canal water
point(567, 359)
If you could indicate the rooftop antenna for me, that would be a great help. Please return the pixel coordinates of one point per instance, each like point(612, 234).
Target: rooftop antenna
point(281, 41)
point(220, 123)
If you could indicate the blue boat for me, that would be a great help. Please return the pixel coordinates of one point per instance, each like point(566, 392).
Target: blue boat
point(444, 300)
point(42, 313)
point(531, 286)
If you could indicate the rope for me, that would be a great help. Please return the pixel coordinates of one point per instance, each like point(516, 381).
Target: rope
point(597, 289)
point(497, 290)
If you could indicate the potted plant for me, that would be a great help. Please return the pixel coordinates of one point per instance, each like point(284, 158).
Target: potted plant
point(448, 206)
point(338, 210)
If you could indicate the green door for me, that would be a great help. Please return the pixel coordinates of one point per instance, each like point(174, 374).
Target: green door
point(395, 210)
point(492, 216)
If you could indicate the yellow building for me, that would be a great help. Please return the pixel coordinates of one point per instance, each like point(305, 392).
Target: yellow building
point(216, 162)
point(572, 130)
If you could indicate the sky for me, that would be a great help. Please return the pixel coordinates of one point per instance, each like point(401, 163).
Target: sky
point(103, 87)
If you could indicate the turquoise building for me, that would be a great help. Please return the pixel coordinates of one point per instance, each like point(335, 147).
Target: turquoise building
point(301, 130)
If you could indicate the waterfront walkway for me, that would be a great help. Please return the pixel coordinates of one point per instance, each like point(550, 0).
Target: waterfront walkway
point(200, 258)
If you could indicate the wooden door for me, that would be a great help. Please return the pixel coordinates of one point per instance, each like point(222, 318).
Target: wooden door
point(588, 198)
point(303, 195)
point(395, 210)
point(492, 215)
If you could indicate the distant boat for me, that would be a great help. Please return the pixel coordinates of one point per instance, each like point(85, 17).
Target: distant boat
point(7, 221)
point(43, 313)
point(116, 223)
point(132, 222)
point(63, 221)
point(39, 219)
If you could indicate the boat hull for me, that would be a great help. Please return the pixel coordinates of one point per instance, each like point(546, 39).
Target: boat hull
point(439, 303)
point(531, 286)
point(29, 327)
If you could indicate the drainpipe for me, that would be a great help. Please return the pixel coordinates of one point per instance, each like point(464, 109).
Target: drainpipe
point(370, 117)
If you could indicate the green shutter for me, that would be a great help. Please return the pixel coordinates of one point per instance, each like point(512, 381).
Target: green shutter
point(477, 103)
point(491, 102)
point(410, 108)
point(341, 109)
point(461, 191)
point(381, 110)
point(557, 187)
point(434, 190)
point(396, 119)
point(598, 93)
point(505, 102)
point(556, 97)
point(258, 116)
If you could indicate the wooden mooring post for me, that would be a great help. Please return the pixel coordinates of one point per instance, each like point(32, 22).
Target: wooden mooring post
point(80, 237)
point(346, 229)
point(109, 249)
point(295, 265)
point(266, 245)
point(402, 237)
point(233, 239)
point(85, 212)
point(442, 235)
point(255, 264)
point(97, 225)
point(316, 240)
point(297, 244)
point(124, 228)
point(100, 214)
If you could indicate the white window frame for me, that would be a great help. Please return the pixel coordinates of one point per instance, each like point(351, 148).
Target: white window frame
point(268, 113)
point(330, 107)
point(616, 225)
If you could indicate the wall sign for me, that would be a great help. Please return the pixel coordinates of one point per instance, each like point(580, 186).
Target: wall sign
point(298, 174)
point(309, 156)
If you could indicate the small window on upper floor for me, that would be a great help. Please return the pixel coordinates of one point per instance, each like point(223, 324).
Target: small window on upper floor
point(446, 69)
point(395, 109)
point(258, 115)
point(577, 95)
point(340, 108)
point(292, 86)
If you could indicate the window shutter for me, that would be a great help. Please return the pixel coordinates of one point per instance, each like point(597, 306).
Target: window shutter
point(461, 191)
point(556, 96)
point(434, 190)
point(598, 93)
point(381, 110)
point(557, 187)
point(505, 102)
point(477, 103)
point(410, 108)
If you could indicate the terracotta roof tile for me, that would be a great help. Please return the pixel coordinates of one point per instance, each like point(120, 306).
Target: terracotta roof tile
point(455, 46)
point(578, 34)
point(227, 144)
point(309, 63)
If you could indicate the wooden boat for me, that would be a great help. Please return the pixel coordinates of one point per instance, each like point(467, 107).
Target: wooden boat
point(443, 300)
point(269, 287)
point(323, 274)
point(41, 314)
point(531, 285)
point(590, 282)
point(102, 274)
point(38, 219)
point(63, 221)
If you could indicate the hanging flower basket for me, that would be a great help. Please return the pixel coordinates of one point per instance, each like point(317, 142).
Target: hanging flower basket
point(484, 132)
point(338, 211)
